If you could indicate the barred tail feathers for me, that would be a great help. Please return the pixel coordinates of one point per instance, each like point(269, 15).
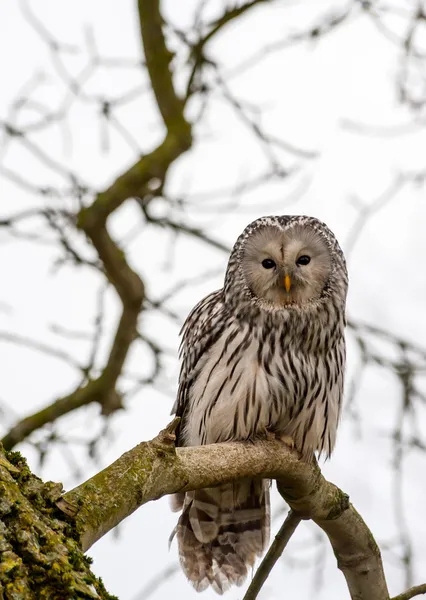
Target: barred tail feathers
point(221, 531)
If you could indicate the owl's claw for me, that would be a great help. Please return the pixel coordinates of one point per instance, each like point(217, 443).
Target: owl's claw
point(270, 437)
point(288, 441)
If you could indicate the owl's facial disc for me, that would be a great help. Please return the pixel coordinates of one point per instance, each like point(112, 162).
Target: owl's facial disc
point(286, 267)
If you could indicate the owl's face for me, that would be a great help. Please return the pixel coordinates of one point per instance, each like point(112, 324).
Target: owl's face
point(289, 266)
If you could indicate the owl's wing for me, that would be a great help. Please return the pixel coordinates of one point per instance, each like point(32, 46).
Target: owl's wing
point(200, 331)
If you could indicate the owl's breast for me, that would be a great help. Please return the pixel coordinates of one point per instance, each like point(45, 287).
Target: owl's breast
point(258, 379)
point(245, 386)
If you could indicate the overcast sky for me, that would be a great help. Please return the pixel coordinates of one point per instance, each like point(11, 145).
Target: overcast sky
point(308, 93)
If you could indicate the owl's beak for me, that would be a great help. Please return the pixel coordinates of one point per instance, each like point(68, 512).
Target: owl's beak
point(287, 283)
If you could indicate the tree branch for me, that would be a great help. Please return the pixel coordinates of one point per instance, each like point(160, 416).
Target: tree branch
point(92, 392)
point(156, 468)
point(158, 58)
point(197, 50)
point(412, 592)
point(133, 183)
point(275, 551)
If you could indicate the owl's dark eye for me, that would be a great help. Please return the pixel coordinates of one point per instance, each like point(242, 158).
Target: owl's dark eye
point(268, 263)
point(303, 260)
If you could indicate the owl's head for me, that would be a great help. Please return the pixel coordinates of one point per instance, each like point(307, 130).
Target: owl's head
point(287, 260)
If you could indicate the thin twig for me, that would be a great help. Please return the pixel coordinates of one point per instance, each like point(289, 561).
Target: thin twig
point(276, 549)
point(158, 580)
point(412, 592)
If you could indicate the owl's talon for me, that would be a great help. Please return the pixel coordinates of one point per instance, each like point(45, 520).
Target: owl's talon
point(288, 441)
point(270, 437)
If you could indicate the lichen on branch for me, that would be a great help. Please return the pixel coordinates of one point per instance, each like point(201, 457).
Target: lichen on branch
point(40, 556)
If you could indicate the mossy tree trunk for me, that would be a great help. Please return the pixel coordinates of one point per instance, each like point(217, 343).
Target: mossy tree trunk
point(40, 553)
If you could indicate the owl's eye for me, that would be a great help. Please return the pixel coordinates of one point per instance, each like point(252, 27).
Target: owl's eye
point(303, 260)
point(268, 263)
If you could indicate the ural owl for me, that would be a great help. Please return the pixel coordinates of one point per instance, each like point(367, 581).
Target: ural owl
point(263, 355)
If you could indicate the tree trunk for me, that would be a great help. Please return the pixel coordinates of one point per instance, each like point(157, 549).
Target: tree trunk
point(40, 556)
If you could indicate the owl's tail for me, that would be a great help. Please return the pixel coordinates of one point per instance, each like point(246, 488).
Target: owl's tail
point(221, 531)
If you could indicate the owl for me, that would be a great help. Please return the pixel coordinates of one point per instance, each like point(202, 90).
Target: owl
point(264, 355)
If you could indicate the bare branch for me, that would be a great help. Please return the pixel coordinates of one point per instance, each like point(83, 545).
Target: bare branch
point(153, 584)
point(197, 49)
point(15, 338)
point(158, 59)
point(275, 551)
point(187, 229)
point(366, 211)
point(411, 593)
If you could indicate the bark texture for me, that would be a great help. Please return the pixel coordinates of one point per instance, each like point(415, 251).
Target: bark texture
point(40, 556)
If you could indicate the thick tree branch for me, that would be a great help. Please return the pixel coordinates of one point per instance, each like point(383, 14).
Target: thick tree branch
point(154, 469)
point(358, 555)
point(158, 59)
point(92, 392)
point(178, 139)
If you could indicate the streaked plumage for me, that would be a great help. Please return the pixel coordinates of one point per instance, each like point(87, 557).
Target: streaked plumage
point(264, 354)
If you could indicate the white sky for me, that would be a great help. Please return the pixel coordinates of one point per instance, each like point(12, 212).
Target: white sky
point(306, 93)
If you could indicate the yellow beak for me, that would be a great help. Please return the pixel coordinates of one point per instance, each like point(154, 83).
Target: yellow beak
point(287, 283)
